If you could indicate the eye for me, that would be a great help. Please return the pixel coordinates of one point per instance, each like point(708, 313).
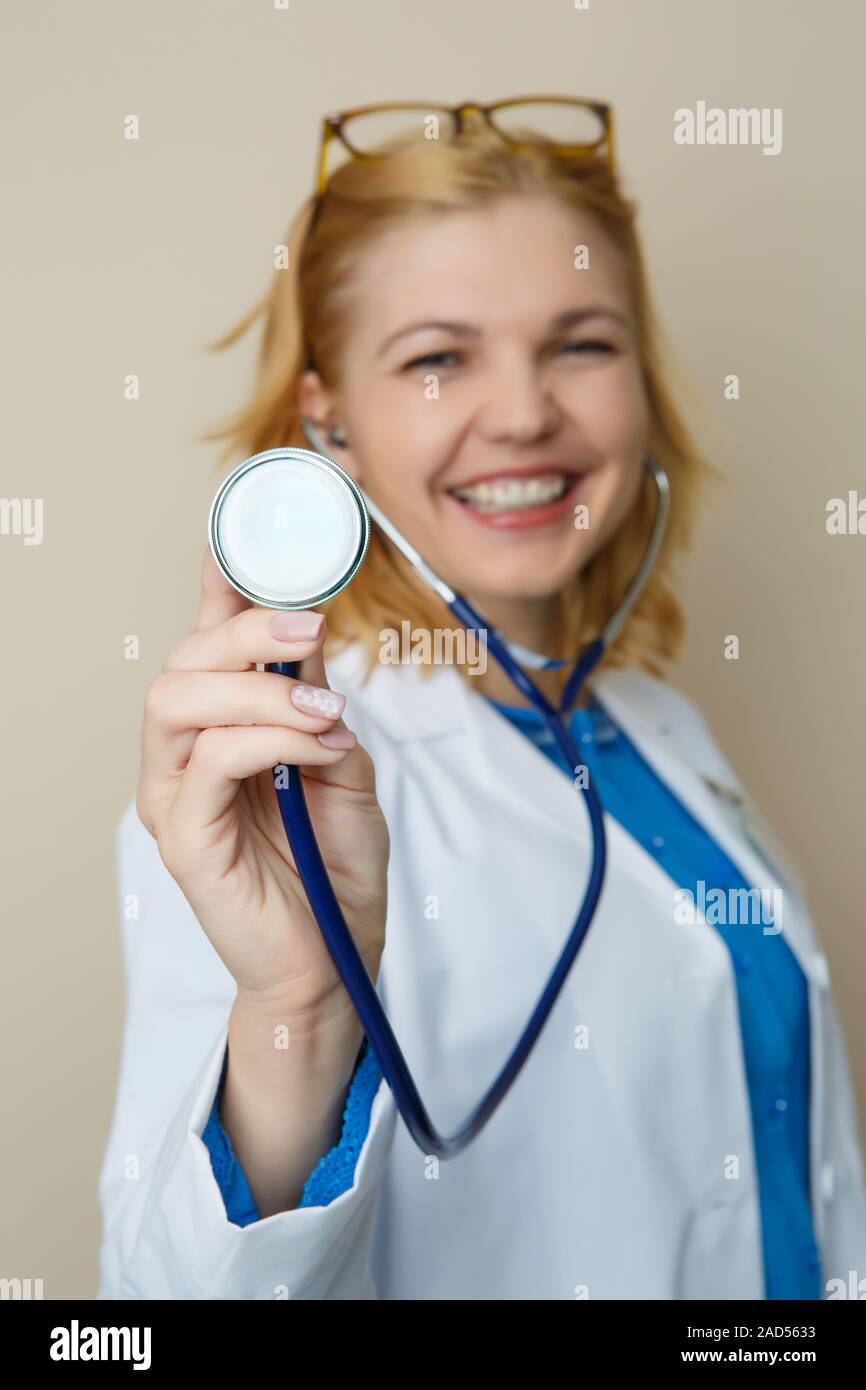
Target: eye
point(591, 345)
point(432, 359)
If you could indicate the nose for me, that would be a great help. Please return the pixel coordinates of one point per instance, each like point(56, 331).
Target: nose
point(521, 407)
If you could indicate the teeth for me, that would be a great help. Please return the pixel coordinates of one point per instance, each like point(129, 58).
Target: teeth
point(514, 494)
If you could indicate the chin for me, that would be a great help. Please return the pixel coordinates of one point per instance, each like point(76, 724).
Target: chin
point(516, 585)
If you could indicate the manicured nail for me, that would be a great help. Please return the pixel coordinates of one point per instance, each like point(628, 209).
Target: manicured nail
point(338, 738)
point(297, 626)
point(314, 699)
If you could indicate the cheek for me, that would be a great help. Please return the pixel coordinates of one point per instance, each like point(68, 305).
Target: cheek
point(611, 407)
point(406, 442)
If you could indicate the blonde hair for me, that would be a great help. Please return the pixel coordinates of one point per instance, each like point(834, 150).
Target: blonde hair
point(305, 311)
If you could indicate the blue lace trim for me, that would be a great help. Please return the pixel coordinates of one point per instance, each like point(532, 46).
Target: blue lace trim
point(333, 1174)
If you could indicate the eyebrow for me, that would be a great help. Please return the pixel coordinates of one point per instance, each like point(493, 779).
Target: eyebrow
point(569, 319)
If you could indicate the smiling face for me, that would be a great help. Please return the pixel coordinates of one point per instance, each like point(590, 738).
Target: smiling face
point(487, 388)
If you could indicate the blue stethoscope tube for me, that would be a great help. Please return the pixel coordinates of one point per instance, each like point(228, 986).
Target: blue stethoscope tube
point(288, 785)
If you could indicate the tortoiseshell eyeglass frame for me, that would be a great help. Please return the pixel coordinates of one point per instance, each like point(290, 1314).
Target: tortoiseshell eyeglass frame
point(334, 127)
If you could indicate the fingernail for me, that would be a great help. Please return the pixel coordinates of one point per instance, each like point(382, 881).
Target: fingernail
point(317, 700)
point(338, 738)
point(297, 626)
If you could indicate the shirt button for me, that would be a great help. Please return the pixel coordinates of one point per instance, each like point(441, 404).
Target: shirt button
point(742, 964)
point(606, 732)
point(658, 841)
point(780, 1106)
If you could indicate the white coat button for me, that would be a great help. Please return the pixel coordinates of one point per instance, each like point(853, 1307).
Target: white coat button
point(828, 1181)
point(821, 969)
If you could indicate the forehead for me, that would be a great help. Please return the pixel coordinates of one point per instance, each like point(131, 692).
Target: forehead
point(512, 258)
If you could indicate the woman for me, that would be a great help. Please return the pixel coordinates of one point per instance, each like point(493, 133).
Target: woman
point(465, 317)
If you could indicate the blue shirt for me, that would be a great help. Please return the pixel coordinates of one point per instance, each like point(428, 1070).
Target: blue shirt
point(771, 993)
point(332, 1175)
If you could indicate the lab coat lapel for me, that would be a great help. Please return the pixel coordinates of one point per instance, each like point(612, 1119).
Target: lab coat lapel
point(442, 703)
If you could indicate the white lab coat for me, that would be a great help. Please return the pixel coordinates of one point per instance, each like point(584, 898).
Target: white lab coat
point(619, 1169)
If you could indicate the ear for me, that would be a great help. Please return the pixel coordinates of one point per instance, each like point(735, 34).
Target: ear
point(317, 402)
point(313, 398)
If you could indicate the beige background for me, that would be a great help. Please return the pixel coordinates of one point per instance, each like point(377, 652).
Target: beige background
point(127, 257)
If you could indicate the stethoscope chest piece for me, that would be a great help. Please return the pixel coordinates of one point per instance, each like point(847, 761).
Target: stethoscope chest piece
point(288, 528)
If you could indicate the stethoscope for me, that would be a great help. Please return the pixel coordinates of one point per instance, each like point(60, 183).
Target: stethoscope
point(289, 529)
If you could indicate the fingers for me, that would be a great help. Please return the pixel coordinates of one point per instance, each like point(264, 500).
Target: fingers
point(211, 720)
point(218, 599)
point(183, 701)
point(180, 704)
point(248, 637)
point(222, 758)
